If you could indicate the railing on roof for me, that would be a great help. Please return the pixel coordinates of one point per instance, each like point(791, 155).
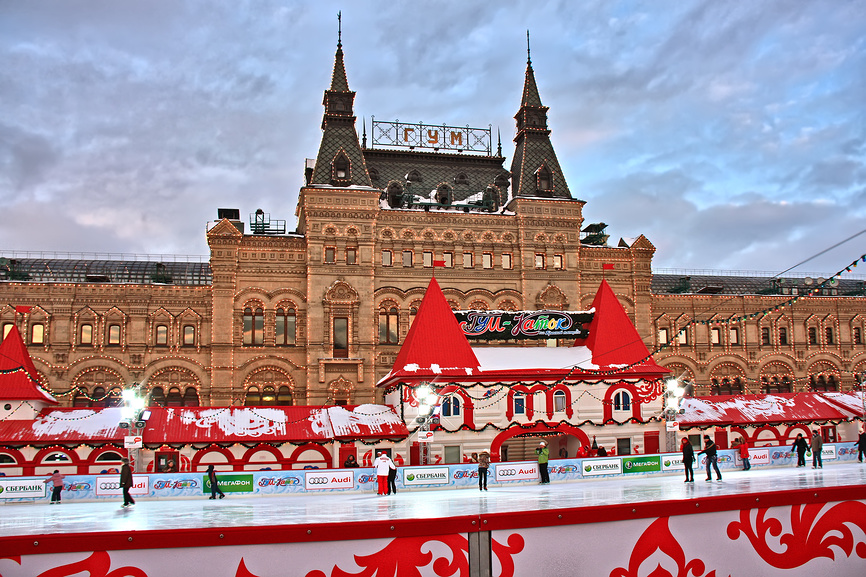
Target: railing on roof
point(750, 273)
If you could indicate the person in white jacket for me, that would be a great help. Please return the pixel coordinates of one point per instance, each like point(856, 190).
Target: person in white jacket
point(383, 465)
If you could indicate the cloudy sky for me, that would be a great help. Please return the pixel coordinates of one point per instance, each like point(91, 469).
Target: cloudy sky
point(731, 134)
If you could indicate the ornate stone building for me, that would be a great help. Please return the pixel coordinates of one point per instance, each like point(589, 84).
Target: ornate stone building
point(316, 316)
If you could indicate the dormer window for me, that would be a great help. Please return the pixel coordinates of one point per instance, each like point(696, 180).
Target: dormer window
point(340, 169)
point(461, 178)
point(443, 194)
point(414, 176)
point(544, 179)
point(395, 195)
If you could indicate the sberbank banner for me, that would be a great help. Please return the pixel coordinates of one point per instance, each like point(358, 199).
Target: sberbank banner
point(230, 483)
point(643, 464)
point(21, 488)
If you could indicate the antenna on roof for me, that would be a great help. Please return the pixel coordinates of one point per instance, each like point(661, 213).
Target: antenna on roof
point(340, 29)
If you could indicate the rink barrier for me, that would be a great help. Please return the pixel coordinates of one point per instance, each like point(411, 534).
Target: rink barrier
point(307, 481)
point(503, 544)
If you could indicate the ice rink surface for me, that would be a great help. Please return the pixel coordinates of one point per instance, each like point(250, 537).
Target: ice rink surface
point(18, 519)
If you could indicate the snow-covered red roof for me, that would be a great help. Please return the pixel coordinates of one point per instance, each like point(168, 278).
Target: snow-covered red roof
point(849, 401)
point(752, 410)
point(19, 379)
point(211, 425)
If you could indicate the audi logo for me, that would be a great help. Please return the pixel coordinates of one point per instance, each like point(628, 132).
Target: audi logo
point(109, 485)
point(507, 472)
point(318, 480)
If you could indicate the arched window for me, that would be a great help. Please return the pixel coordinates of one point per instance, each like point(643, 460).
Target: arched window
point(80, 399)
point(414, 176)
point(56, 458)
point(451, 406)
point(286, 322)
point(253, 397)
point(174, 399)
point(622, 401)
point(544, 179)
point(188, 336)
point(269, 396)
point(559, 401)
point(388, 328)
point(519, 401)
point(341, 168)
point(98, 397)
point(157, 397)
point(254, 324)
point(161, 338)
point(108, 456)
point(284, 397)
point(413, 311)
point(85, 335)
point(190, 397)
point(114, 398)
point(37, 334)
point(374, 174)
point(114, 335)
point(443, 194)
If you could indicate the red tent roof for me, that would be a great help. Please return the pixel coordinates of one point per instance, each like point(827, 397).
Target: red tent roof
point(751, 410)
point(18, 376)
point(435, 343)
point(613, 339)
point(210, 425)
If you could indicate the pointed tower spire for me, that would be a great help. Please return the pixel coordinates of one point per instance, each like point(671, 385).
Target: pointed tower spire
point(535, 169)
point(340, 161)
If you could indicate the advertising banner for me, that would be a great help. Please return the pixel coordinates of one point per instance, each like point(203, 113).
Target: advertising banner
point(109, 485)
point(593, 467)
point(318, 480)
point(672, 462)
point(425, 476)
point(132, 441)
point(425, 436)
point(516, 472)
point(641, 464)
point(230, 483)
point(22, 489)
point(501, 325)
point(279, 482)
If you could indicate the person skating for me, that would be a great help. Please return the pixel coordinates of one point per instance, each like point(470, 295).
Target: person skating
point(800, 446)
point(817, 446)
point(383, 466)
point(57, 486)
point(860, 443)
point(543, 453)
point(711, 451)
point(483, 466)
point(744, 455)
point(214, 485)
point(126, 483)
point(688, 459)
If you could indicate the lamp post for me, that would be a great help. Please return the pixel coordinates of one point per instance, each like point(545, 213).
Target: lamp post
point(674, 392)
point(134, 416)
point(426, 397)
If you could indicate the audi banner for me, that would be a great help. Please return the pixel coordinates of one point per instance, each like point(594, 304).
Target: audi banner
point(319, 479)
point(516, 472)
point(109, 486)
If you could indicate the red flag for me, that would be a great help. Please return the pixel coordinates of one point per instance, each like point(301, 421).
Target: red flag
point(22, 309)
point(607, 266)
point(438, 263)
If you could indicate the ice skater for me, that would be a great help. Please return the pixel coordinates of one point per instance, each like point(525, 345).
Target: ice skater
point(688, 459)
point(392, 478)
point(214, 485)
point(860, 443)
point(800, 446)
point(744, 455)
point(543, 453)
point(383, 466)
point(126, 483)
point(57, 486)
point(711, 450)
point(483, 466)
point(817, 447)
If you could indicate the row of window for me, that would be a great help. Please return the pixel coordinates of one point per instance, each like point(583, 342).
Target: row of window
point(285, 326)
point(448, 259)
point(86, 334)
point(664, 336)
point(100, 397)
point(772, 384)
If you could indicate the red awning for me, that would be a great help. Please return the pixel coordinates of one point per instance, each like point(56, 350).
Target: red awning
point(756, 410)
point(224, 425)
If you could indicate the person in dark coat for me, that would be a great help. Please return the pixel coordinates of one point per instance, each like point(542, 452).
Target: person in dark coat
point(861, 445)
point(817, 446)
point(688, 459)
point(126, 483)
point(392, 479)
point(711, 450)
point(214, 485)
point(350, 462)
point(800, 446)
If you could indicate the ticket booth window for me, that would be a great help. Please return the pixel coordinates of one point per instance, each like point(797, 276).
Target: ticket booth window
point(167, 462)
